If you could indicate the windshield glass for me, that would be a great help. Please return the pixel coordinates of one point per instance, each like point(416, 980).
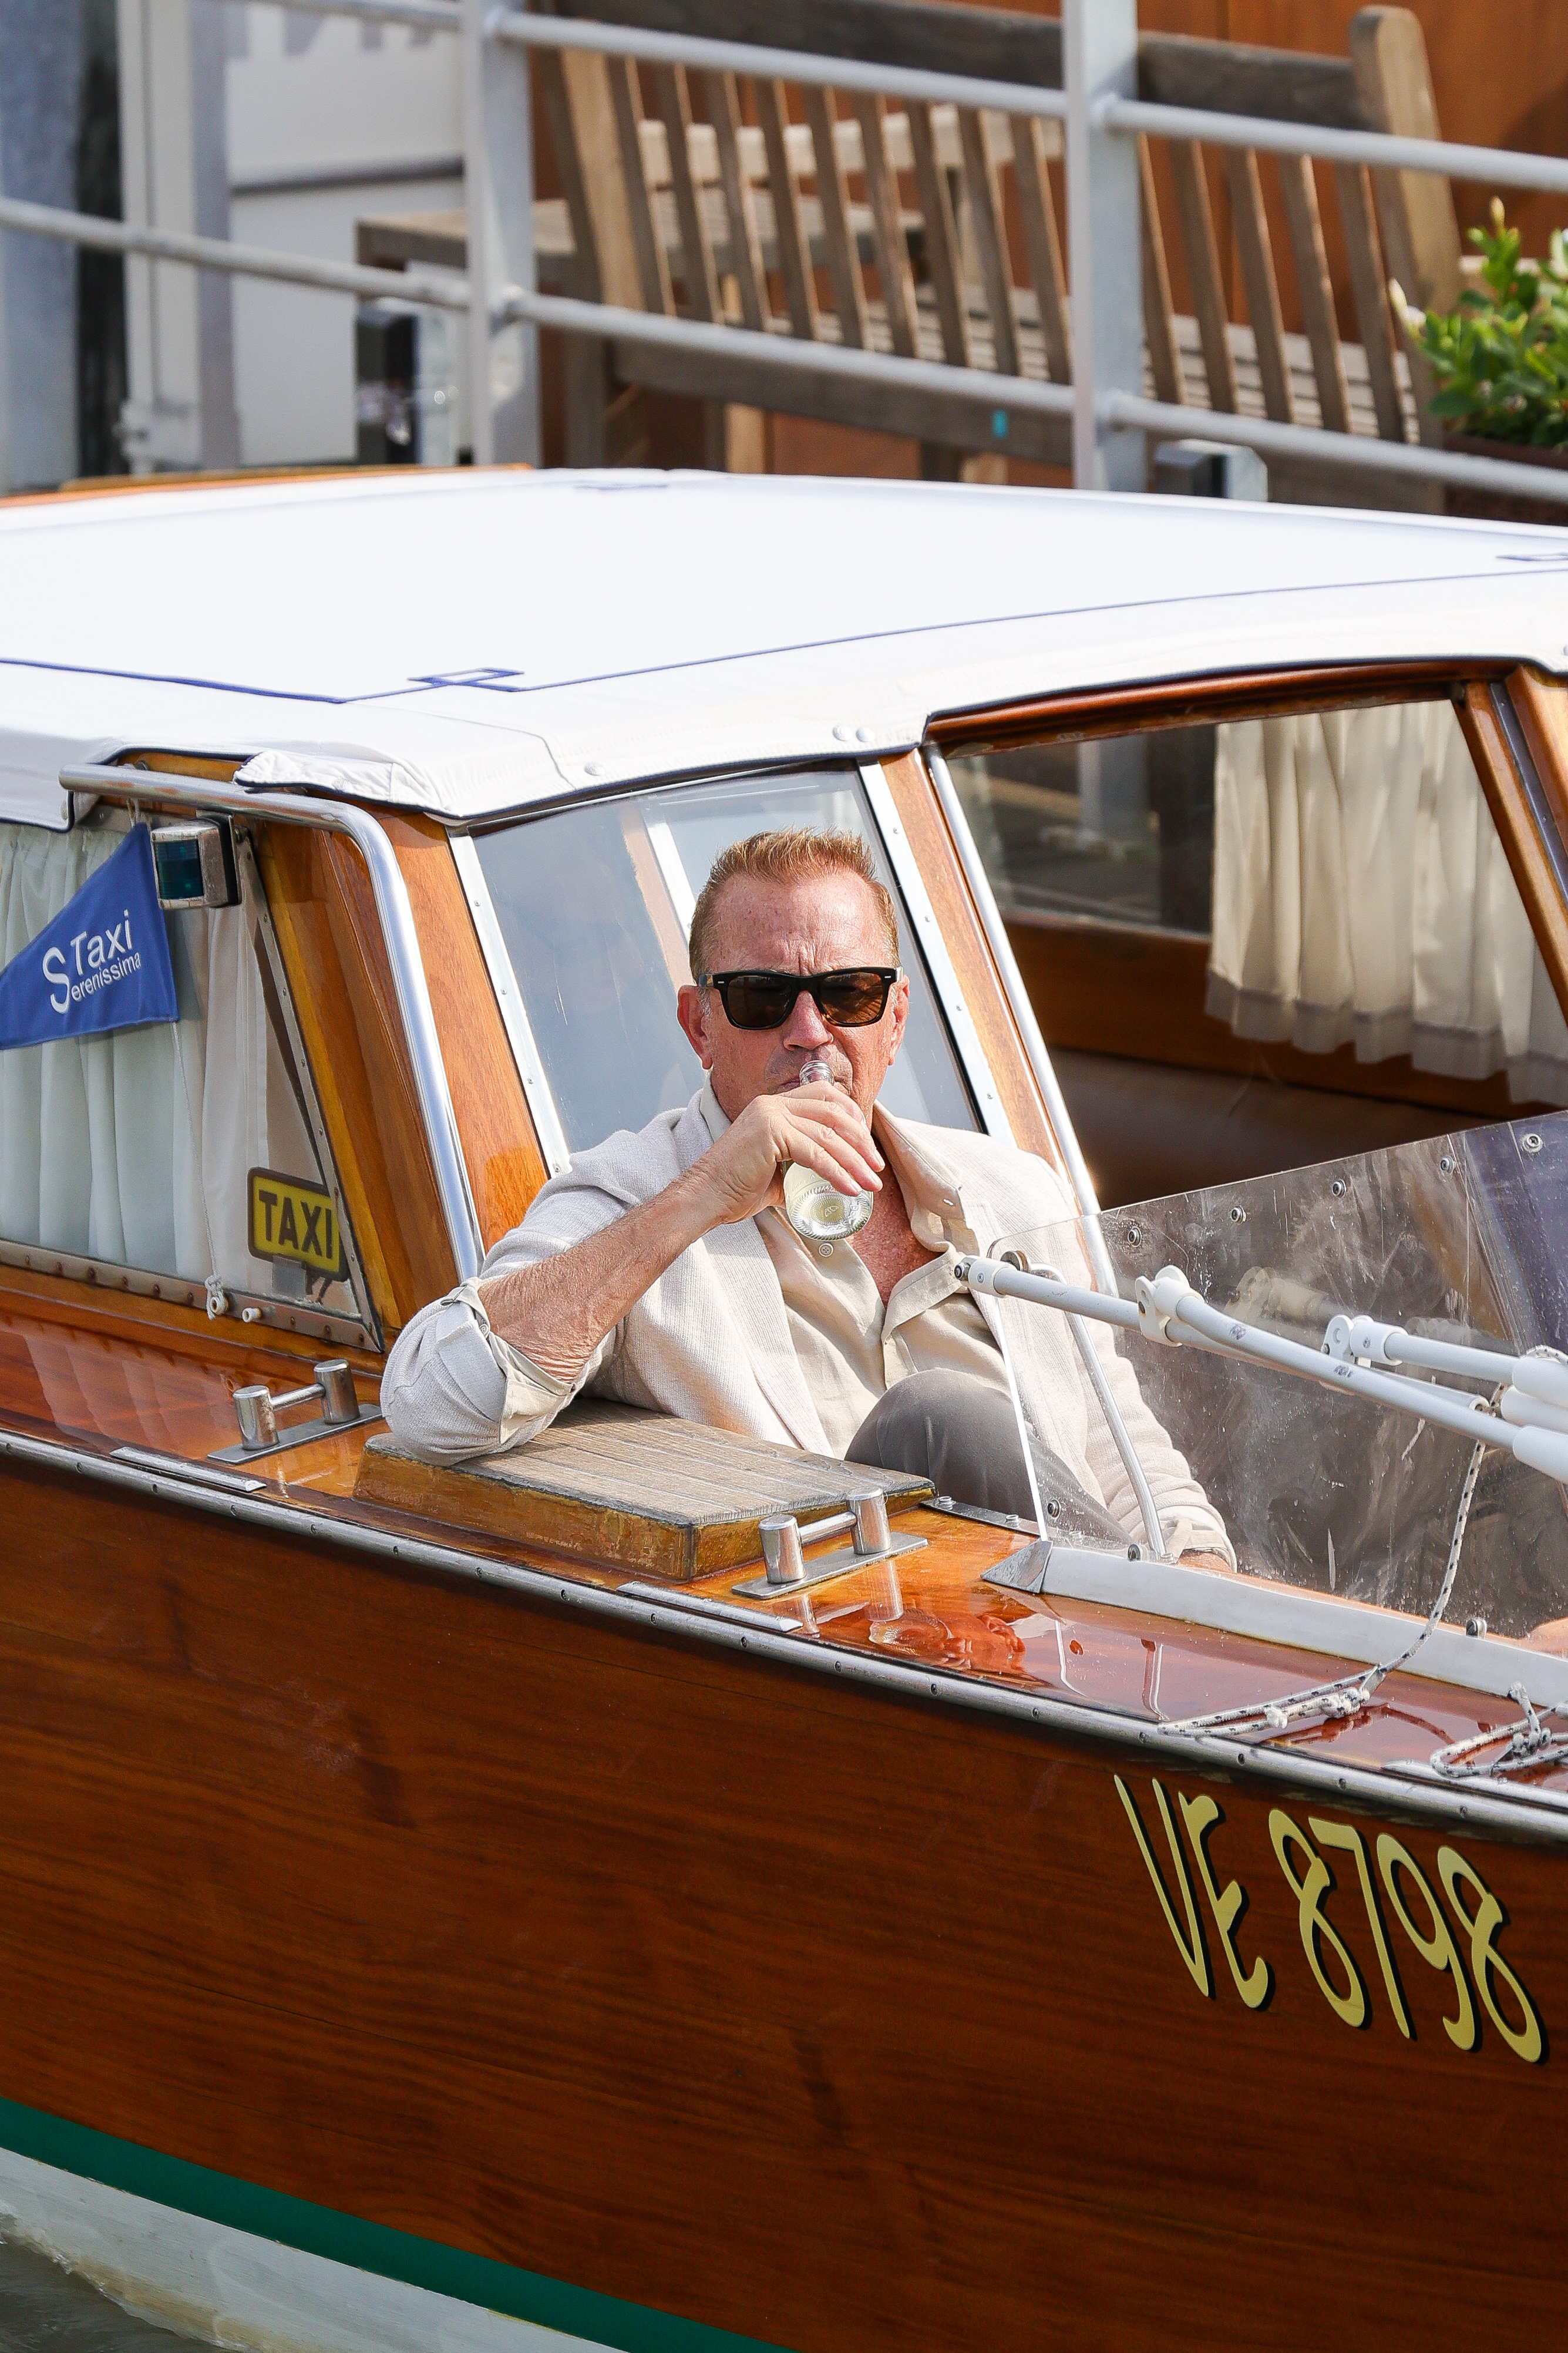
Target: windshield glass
point(1462, 1239)
point(594, 904)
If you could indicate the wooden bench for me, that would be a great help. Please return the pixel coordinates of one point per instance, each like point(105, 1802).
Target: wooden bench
point(934, 230)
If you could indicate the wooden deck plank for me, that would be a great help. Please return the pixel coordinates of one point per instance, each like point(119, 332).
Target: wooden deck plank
point(653, 266)
point(1315, 288)
point(990, 239)
point(888, 228)
point(795, 253)
point(1196, 216)
point(941, 239)
point(1158, 318)
point(673, 97)
point(745, 255)
point(1256, 257)
point(1042, 242)
point(833, 195)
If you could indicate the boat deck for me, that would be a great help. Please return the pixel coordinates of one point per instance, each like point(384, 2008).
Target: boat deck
point(93, 1380)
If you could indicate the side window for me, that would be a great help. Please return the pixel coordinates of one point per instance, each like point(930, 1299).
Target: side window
point(1303, 927)
point(189, 1150)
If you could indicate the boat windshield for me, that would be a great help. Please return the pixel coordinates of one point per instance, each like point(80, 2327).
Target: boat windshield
point(594, 903)
point(1461, 1242)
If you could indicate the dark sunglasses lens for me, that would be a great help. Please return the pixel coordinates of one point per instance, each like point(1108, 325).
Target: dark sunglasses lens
point(755, 1002)
point(852, 998)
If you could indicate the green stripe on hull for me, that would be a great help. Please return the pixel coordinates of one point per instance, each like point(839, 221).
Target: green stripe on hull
point(238, 2205)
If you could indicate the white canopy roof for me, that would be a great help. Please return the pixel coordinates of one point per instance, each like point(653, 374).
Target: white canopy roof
point(467, 643)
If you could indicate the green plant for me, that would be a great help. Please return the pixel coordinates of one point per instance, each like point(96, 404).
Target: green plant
point(1502, 358)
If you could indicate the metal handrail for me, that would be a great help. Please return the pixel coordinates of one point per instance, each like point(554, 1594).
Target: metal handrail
point(239, 260)
point(656, 331)
point(1383, 150)
point(811, 71)
point(1358, 452)
point(114, 781)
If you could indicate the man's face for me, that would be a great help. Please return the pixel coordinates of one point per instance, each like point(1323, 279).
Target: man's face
point(821, 923)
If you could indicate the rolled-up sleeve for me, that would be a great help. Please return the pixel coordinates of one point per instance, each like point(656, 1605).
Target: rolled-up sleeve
point(453, 1389)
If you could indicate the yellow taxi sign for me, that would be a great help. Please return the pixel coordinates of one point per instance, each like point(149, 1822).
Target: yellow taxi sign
point(296, 1222)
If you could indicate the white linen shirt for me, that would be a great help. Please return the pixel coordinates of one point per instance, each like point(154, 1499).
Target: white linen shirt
point(719, 1338)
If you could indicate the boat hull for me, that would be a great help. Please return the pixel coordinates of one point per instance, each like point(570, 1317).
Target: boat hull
point(680, 1977)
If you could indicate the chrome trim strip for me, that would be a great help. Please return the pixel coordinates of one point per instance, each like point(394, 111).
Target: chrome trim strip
point(182, 1290)
point(1516, 1814)
point(513, 1012)
point(147, 1458)
point(944, 980)
point(114, 782)
point(1035, 1046)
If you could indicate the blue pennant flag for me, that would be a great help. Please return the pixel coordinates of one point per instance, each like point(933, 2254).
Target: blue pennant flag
point(102, 964)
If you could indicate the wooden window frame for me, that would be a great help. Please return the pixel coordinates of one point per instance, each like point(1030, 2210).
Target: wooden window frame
point(1515, 721)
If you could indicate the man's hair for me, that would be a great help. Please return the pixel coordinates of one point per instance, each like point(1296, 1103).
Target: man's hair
point(785, 857)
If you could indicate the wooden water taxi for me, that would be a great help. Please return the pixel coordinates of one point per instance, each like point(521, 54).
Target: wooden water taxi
point(448, 1904)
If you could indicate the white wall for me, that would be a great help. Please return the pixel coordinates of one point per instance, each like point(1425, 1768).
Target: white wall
point(325, 120)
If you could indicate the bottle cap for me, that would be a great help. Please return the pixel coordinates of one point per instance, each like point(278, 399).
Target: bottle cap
point(813, 1071)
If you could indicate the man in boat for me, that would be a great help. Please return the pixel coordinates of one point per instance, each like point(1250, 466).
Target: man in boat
point(659, 1269)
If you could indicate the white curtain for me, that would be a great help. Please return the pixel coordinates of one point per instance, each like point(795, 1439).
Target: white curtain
point(1360, 895)
point(134, 1148)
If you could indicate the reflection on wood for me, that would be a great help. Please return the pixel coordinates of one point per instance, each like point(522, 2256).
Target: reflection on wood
point(572, 1937)
point(506, 1167)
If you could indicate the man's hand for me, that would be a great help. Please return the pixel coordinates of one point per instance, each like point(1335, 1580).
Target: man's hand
point(559, 1311)
point(820, 1125)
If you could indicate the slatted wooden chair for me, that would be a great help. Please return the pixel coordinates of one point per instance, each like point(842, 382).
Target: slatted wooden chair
point(1394, 225)
point(848, 219)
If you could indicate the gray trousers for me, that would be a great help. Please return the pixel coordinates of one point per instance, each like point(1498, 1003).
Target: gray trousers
point(960, 1435)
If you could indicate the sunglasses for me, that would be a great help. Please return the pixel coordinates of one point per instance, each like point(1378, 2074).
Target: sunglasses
point(850, 999)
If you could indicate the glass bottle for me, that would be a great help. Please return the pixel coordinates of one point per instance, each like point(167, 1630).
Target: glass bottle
point(814, 1207)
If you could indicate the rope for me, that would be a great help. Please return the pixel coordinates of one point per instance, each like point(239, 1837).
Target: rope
point(1528, 1745)
point(1350, 1693)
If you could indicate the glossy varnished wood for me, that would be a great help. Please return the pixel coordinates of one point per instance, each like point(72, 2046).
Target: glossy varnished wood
point(963, 936)
point(506, 1167)
point(649, 1492)
point(822, 2014)
point(1107, 989)
point(1243, 694)
point(330, 937)
point(1528, 856)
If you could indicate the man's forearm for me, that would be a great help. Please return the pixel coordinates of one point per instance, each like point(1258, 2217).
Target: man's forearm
point(558, 1311)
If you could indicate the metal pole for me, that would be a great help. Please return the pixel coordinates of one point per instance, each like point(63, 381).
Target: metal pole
point(1100, 40)
point(798, 66)
point(498, 176)
point(445, 293)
